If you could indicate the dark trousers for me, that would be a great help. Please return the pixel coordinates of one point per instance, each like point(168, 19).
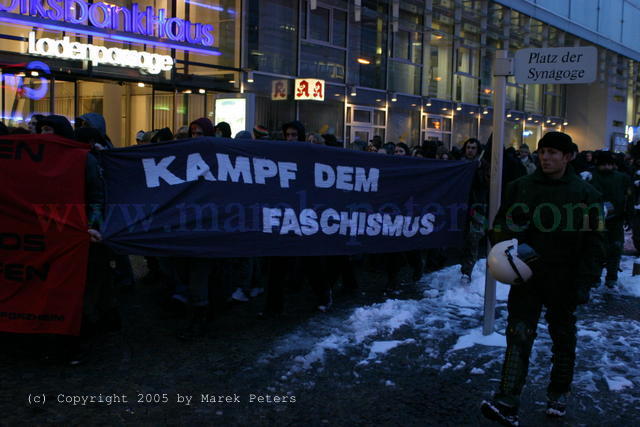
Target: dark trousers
point(294, 271)
point(614, 246)
point(525, 305)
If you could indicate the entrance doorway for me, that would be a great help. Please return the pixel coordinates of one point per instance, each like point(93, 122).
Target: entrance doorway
point(436, 128)
point(363, 123)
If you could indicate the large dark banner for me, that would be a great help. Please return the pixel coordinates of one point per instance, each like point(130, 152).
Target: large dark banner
point(43, 234)
point(210, 197)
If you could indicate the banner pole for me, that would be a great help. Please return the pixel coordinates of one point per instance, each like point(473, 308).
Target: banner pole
point(502, 68)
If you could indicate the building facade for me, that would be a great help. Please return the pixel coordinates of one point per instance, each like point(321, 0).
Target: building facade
point(406, 70)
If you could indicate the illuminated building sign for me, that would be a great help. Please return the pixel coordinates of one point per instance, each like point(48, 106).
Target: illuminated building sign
point(309, 89)
point(151, 63)
point(279, 90)
point(134, 24)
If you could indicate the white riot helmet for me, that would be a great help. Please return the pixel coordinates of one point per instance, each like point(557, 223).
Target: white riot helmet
point(510, 263)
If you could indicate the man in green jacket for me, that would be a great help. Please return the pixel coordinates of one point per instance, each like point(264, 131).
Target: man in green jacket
point(615, 188)
point(560, 217)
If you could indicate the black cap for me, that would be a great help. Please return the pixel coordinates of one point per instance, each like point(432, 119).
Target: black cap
point(558, 140)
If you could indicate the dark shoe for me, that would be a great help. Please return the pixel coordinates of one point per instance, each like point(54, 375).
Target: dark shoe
point(496, 411)
point(610, 283)
point(557, 404)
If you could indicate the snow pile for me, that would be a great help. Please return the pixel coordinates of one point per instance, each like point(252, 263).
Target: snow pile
point(444, 327)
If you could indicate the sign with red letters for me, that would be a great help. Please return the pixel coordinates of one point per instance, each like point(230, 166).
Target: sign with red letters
point(44, 242)
point(309, 90)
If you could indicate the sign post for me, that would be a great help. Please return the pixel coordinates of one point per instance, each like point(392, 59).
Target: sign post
point(502, 68)
point(557, 65)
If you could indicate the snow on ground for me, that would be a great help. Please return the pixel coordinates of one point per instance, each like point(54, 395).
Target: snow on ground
point(448, 312)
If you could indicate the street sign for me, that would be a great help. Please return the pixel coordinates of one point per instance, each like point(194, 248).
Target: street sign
point(557, 65)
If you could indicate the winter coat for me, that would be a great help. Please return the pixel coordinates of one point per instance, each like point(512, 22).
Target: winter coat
point(97, 121)
point(548, 215)
point(94, 190)
point(615, 188)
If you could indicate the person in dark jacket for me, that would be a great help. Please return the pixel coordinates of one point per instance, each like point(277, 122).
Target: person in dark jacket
point(560, 217)
point(55, 124)
point(223, 130)
point(615, 188)
point(201, 127)
point(478, 200)
point(294, 131)
point(96, 121)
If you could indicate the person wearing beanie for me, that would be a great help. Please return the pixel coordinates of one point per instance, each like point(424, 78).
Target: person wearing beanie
point(558, 216)
point(201, 127)
point(260, 132)
point(616, 191)
point(58, 125)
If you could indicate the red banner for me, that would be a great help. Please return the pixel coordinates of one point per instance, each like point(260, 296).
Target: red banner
point(44, 243)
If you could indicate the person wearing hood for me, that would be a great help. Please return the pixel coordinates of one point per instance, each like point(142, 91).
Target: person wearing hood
point(616, 188)
point(96, 121)
point(201, 127)
point(223, 130)
point(294, 131)
point(58, 125)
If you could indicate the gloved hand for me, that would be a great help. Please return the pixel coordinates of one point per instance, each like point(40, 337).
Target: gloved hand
point(586, 175)
point(636, 182)
point(582, 295)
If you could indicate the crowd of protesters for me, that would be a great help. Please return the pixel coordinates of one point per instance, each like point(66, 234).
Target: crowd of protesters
point(199, 287)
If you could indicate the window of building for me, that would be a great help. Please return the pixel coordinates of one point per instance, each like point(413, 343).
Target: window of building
point(368, 46)
point(325, 63)
point(439, 66)
point(272, 35)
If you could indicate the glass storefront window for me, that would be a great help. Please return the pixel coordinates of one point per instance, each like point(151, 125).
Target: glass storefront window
point(272, 35)
point(319, 24)
point(339, 28)
point(368, 46)
point(327, 116)
point(438, 69)
point(322, 62)
point(90, 97)
point(163, 110)
point(465, 126)
point(64, 99)
point(515, 97)
point(18, 105)
point(533, 98)
point(190, 106)
point(404, 77)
